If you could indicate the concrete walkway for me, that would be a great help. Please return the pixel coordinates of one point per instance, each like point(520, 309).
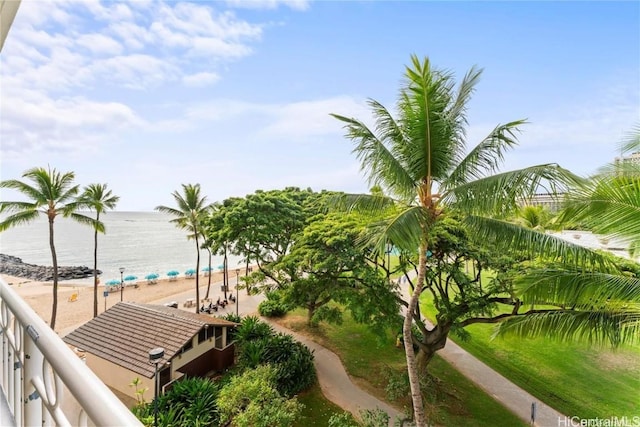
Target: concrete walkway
point(338, 387)
point(501, 389)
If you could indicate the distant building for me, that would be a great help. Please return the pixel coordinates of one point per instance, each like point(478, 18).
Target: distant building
point(117, 343)
point(552, 202)
point(633, 158)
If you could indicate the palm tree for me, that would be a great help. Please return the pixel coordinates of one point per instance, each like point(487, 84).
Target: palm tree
point(421, 162)
point(51, 193)
point(189, 215)
point(98, 198)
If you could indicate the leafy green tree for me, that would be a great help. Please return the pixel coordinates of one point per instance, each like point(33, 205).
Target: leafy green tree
point(330, 266)
point(189, 215)
point(98, 198)
point(252, 400)
point(421, 162)
point(50, 193)
point(263, 227)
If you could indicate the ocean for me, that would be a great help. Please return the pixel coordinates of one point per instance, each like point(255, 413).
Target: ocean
point(141, 242)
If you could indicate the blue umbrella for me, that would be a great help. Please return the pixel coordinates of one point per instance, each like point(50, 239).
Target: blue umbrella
point(173, 273)
point(206, 269)
point(221, 267)
point(152, 276)
point(190, 272)
point(130, 278)
point(113, 282)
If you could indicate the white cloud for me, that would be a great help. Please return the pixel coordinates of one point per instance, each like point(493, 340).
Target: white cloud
point(200, 79)
point(100, 44)
point(269, 4)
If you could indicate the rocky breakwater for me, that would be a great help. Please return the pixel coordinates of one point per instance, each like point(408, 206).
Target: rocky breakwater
point(13, 266)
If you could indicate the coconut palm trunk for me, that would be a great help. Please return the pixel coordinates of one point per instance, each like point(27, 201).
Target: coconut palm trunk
point(54, 259)
point(412, 366)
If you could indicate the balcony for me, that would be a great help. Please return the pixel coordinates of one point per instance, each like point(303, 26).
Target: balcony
point(42, 381)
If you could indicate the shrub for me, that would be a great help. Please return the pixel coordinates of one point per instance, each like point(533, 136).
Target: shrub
point(269, 308)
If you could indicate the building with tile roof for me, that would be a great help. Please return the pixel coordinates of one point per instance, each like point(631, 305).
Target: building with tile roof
point(117, 344)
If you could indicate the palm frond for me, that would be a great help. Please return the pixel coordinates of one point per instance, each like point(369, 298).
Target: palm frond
point(17, 206)
point(486, 157)
point(361, 203)
point(403, 230)
point(610, 205)
point(500, 194)
point(574, 287)
point(598, 328)
point(31, 192)
point(19, 218)
point(377, 161)
point(83, 219)
point(508, 236)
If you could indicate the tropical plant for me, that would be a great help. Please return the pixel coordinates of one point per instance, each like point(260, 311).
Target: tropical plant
point(421, 162)
point(189, 402)
point(189, 215)
point(252, 400)
point(51, 193)
point(98, 198)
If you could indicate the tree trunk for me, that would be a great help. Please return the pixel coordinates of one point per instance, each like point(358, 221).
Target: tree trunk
point(197, 275)
point(311, 310)
point(224, 273)
point(412, 367)
point(54, 258)
point(433, 341)
point(246, 273)
point(95, 268)
point(209, 283)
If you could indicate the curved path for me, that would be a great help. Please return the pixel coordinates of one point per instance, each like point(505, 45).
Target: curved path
point(338, 387)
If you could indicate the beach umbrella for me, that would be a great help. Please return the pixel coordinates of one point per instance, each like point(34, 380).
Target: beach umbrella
point(221, 267)
point(206, 269)
point(190, 272)
point(173, 273)
point(130, 278)
point(113, 282)
point(152, 276)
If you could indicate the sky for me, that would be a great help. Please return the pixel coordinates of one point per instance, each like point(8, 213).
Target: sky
point(235, 95)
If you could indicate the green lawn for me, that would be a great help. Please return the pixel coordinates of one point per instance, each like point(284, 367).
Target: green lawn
point(317, 409)
point(572, 378)
point(373, 360)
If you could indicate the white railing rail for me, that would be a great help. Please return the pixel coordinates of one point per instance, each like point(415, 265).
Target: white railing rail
point(42, 379)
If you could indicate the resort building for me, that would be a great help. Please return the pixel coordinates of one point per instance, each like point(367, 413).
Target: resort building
point(633, 158)
point(551, 202)
point(117, 344)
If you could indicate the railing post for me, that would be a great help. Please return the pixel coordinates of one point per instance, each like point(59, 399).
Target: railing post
point(33, 368)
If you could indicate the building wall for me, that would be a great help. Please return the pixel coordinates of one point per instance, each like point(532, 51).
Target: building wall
point(118, 377)
point(198, 350)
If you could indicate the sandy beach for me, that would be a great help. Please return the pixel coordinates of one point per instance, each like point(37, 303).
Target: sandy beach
point(72, 314)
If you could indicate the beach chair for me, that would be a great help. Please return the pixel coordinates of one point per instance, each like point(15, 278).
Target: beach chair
point(73, 297)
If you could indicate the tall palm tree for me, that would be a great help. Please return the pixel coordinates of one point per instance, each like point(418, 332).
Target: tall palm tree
point(50, 193)
point(98, 198)
point(191, 210)
point(421, 162)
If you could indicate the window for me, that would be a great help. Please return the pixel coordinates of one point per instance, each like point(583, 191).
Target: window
point(205, 333)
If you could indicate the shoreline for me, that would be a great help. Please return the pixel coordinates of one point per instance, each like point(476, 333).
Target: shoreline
point(73, 313)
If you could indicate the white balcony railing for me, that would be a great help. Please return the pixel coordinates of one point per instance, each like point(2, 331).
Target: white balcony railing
point(43, 381)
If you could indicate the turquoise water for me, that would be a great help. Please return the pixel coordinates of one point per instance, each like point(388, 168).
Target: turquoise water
point(141, 242)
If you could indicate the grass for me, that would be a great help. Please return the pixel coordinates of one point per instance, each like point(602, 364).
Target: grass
point(374, 362)
point(572, 378)
point(317, 409)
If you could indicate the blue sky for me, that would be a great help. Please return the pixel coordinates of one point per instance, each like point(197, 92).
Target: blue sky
point(236, 95)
